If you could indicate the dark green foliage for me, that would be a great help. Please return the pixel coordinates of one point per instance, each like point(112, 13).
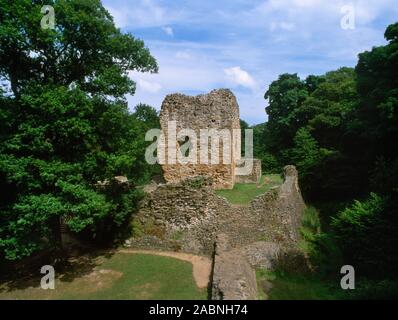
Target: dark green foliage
point(308, 128)
point(367, 232)
point(307, 153)
point(310, 220)
point(340, 130)
point(375, 290)
point(243, 126)
point(377, 72)
point(320, 246)
point(269, 162)
point(65, 124)
point(85, 48)
point(284, 95)
point(147, 116)
point(297, 114)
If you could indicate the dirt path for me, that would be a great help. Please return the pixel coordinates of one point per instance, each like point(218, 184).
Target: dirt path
point(201, 265)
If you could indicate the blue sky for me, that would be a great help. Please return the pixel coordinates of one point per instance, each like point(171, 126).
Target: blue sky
point(244, 45)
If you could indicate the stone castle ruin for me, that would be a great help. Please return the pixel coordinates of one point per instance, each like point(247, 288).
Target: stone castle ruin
point(214, 119)
point(186, 214)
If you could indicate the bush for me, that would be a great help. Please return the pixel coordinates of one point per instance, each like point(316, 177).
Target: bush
point(375, 290)
point(269, 163)
point(311, 219)
point(367, 232)
point(319, 246)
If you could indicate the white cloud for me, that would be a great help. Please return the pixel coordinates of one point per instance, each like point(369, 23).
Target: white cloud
point(191, 73)
point(281, 25)
point(306, 3)
point(169, 31)
point(183, 55)
point(240, 77)
point(143, 13)
point(148, 86)
point(307, 38)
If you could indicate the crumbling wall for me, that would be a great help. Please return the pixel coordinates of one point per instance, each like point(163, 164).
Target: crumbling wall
point(187, 216)
point(184, 214)
point(280, 209)
point(190, 214)
point(233, 277)
point(274, 216)
point(216, 110)
point(255, 174)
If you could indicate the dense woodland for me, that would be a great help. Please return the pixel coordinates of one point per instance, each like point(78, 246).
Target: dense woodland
point(65, 125)
point(340, 130)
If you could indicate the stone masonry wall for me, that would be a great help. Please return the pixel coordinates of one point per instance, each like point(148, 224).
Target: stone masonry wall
point(192, 210)
point(233, 277)
point(280, 209)
point(188, 216)
point(183, 215)
point(216, 110)
point(254, 176)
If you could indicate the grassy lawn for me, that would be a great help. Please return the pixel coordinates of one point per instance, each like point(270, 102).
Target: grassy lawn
point(296, 287)
point(243, 193)
point(119, 276)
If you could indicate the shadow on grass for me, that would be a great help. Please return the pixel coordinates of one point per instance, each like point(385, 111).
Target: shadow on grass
point(26, 274)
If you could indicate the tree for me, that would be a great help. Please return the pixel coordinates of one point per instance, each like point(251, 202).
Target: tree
point(147, 115)
point(243, 126)
point(145, 118)
point(340, 130)
point(377, 73)
point(85, 48)
point(284, 95)
point(307, 154)
point(327, 109)
point(269, 162)
point(65, 123)
point(314, 117)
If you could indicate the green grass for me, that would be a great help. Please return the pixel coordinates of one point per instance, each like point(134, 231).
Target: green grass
point(121, 276)
point(289, 286)
point(310, 219)
point(261, 275)
point(298, 287)
point(243, 193)
point(310, 229)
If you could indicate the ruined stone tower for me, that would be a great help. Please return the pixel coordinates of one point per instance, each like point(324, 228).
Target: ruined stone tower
point(217, 110)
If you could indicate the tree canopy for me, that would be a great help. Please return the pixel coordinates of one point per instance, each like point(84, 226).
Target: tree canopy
point(65, 123)
point(340, 130)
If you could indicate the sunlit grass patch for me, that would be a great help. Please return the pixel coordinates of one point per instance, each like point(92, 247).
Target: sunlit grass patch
point(243, 193)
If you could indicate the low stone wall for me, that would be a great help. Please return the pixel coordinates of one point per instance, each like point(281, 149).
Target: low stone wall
point(254, 176)
point(233, 277)
point(183, 215)
point(262, 254)
point(187, 216)
point(280, 209)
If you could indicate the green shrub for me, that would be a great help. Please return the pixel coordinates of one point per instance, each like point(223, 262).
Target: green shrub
point(311, 219)
point(375, 290)
point(320, 247)
point(137, 228)
point(147, 228)
point(269, 163)
point(367, 232)
point(310, 228)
